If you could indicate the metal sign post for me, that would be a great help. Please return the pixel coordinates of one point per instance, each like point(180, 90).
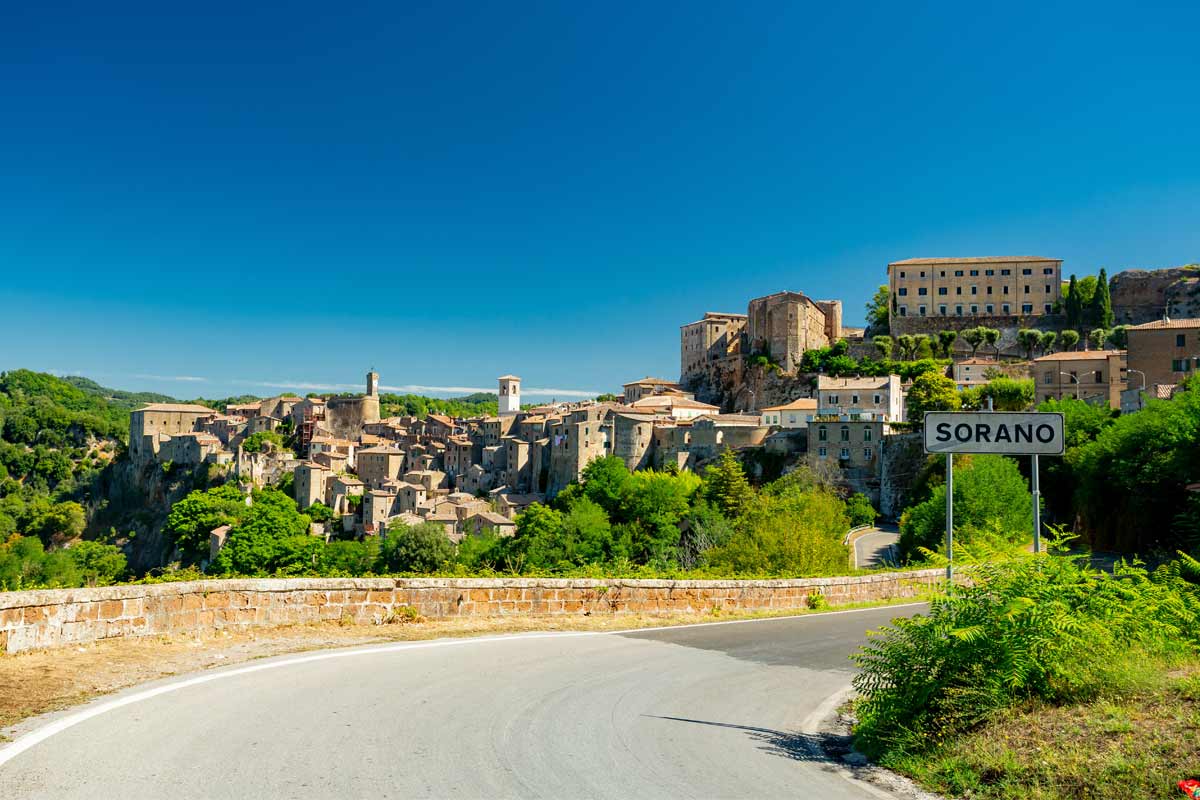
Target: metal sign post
point(1026, 433)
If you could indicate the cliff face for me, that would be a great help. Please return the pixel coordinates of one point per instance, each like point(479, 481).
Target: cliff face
point(1140, 295)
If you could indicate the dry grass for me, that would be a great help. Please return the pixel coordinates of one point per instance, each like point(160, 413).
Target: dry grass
point(1131, 747)
point(48, 680)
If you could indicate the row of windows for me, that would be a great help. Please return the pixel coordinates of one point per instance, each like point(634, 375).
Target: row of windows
point(823, 434)
point(922, 291)
point(1049, 377)
point(974, 273)
point(1185, 364)
point(823, 452)
point(1005, 308)
point(833, 399)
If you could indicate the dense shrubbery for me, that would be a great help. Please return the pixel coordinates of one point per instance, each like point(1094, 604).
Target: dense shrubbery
point(472, 405)
point(1026, 627)
point(25, 564)
point(991, 500)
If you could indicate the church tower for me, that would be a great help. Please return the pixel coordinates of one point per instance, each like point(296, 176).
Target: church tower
point(510, 394)
point(372, 383)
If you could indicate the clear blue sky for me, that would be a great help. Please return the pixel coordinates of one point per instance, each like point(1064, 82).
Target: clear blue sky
point(250, 196)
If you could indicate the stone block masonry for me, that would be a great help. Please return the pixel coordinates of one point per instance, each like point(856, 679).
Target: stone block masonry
point(57, 617)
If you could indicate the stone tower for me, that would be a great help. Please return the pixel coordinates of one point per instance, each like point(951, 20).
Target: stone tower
point(372, 383)
point(510, 394)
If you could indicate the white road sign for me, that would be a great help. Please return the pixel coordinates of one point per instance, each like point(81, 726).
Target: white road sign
point(1013, 434)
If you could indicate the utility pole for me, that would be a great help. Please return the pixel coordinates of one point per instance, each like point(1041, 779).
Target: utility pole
point(949, 521)
point(1037, 508)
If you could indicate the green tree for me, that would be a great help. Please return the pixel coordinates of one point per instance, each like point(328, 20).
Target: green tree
point(604, 481)
point(946, 340)
point(653, 503)
point(924, 346)
point(991, 336)
point(98, 564)
point(1074, 306)
point(990, 499)
point(1047, 341)
point(350, 558)
point(262, 441)
point(907, 346)
point(1096, 338)
point(419, 548)
point(703, 528)
point(271, 536)
point(932, 392)
point(1006, 394)
point(192, 518)
point(1100, 311)
point(885, 345)
point(726, 486)
point(1030, 339)
point(793, 532)
point(878, 310)
point(1118, 337)
point(974, 338)
point(860, 511)
point(59, 522)
point(1069, 338)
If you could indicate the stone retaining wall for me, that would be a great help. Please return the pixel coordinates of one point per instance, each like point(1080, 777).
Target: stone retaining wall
point(55, 617)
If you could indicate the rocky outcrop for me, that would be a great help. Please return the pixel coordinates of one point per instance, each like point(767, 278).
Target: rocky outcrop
point(1140, 295)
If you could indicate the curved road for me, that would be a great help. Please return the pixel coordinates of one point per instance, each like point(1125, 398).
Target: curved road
point(702, 711)
point(877, 549)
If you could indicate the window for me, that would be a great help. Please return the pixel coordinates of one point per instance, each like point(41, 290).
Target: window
point(942, 273)
point(1098, 377)
point(958, 273)
point(989, 308)
point(1047, 270)
point(791, 419)
point(989, 290)
point(974, 309)
point(989, 272)
point(958, 290)
point(1027, 288)
point(974, 290)
point(853, 399)
point(904, 311)
point(922, 291)
point(822, 434)
point(845, 433)
point(942, 310)
point(921, 310)
point(1005, 308)
point(1027, 308)
point(903, 292)
point(958, 311)
point(1048, 378)
point(833, 399)
point(845, 453)
point(1005, 290)
point(1026, 271)
point(866, 434)
point(974, 273)
point(1179, 365)
point(942, 290)
point(901, 273)
point(867, 453)
point(1047, 288)
point(922, 273)
point(1048, 308)
point(822, 451)
point(878, 399)
point(1006, 272)
point(1180, 340)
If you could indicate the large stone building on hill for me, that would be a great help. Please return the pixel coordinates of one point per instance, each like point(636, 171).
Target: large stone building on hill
point(785, 324)
point(982, 287)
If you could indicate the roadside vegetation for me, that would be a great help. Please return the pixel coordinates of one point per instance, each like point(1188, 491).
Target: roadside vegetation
point(1041, 678)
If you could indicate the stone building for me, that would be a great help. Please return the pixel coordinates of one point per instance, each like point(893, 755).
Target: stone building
point(1097, 376)
point(509, 395)
point(861, 398)
point(379, 464)
point(149, 424)
point(991, 286)
point(309, 482)
point(785, 324)
point(715, 336)
point(636, 390)
point(1163, 353)
point(795, 414)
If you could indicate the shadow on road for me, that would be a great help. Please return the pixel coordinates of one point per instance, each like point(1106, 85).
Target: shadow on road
point(815, 748)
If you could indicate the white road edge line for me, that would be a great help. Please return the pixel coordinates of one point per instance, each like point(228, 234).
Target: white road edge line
point(812, 727)
point(36, 737)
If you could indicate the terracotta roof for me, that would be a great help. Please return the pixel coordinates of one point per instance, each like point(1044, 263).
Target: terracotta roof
point(392, 451)
point(977, 362)
point(442, 419)
point(799, 404)
point(1165, 324)
point(825, 382)
point(179, 407)
point(973, 260)
point(492, 517)
point(651, 381)
point(1079, 355)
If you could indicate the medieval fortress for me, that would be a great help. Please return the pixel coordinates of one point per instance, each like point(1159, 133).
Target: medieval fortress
point(741, 386)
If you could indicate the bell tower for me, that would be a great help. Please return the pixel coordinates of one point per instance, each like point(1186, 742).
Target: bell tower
point(510, 394)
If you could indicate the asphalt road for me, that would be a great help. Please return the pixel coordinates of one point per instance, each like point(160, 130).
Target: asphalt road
point(877, 549)
point(701, 711)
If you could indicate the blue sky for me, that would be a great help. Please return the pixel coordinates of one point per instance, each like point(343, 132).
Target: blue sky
point(249, 197)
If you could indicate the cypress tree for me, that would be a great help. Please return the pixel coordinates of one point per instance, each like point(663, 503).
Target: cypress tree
point(1074, 306)
point(1101, 309)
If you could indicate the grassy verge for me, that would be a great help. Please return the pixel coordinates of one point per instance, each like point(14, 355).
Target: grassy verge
point(41, 681)
point(1135, 746)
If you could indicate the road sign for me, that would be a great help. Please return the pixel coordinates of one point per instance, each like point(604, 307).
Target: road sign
point(1014, 434)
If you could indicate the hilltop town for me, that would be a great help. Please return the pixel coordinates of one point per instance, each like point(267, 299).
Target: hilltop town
point(785, 382)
